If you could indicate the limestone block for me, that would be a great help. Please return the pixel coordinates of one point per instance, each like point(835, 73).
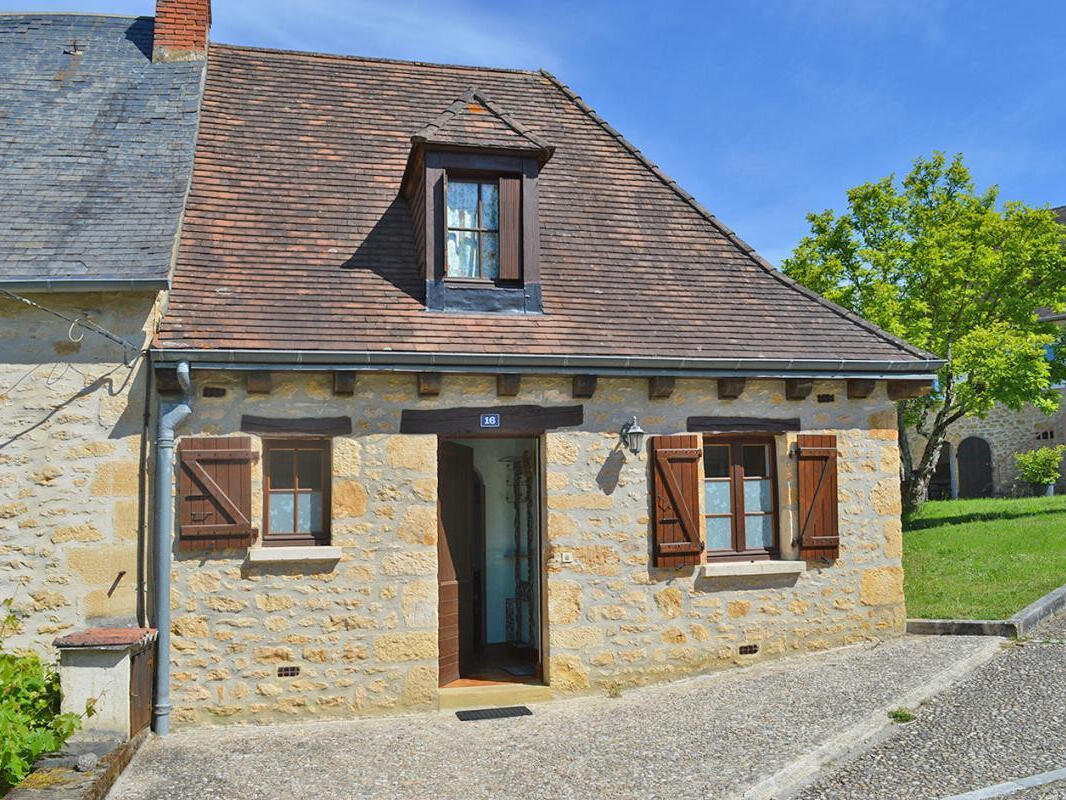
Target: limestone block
point(418, 526)
point(76, 533)
point(349, 499)
point(274, 602)
point(410, 563)
point(564, 602)
point(576, 637)
point(418, 453)
point(115, 479)
point(668, 601)
point(190, 626)
point(391, 647)
point(882, 586)
point(560, 449)
point(347, 456)
point(567, 673)
point(420, 604)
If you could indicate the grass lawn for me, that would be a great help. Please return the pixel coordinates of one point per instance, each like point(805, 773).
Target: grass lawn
point(983, 559)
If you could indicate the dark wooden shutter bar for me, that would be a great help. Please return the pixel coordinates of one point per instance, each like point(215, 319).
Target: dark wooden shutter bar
point(516, 419)
point(315, 426)
point(742, 424)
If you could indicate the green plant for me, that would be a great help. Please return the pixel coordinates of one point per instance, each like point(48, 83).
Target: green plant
point(30, 722)
point(901, 716)
point(614, 690)
point(956, 272)
point(1040, 466)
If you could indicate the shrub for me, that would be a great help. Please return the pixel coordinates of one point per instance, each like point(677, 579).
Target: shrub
point(30, 722)
point(1040, 466)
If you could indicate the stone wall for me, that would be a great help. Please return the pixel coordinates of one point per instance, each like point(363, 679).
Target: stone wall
point(71, 417)
point(1007, 432)
point(363, 630)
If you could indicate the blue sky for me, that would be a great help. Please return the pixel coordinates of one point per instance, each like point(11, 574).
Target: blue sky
point(763, 110)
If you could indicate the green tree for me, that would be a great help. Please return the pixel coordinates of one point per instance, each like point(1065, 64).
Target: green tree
point(936, 263)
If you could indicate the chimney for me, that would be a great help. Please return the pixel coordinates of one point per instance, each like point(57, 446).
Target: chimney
point(181, 30)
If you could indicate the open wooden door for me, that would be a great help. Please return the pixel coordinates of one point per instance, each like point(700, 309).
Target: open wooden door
point(455, 563)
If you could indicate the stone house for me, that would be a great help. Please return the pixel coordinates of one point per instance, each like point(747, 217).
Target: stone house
point(471, 404)
point(457, 399)
point(96, 153)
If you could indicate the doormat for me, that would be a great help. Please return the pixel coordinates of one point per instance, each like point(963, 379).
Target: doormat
point(493, 713)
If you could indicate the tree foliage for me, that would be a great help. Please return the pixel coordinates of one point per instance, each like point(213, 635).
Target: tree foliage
point(944, 267)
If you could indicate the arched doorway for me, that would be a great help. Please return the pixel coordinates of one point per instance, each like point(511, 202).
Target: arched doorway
point(940, 483)
point(975, 468)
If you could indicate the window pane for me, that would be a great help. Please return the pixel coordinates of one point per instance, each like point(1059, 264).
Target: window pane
point(756, 460)
point(281, 512)
point(758, 495)
point(462, 205)
point(719, 533)
point(716, 461)
point(490, 255)
point(309, 469)
point(462, 254)
point(490, 207)
point(759, 530)
point(716, 498)
point(309, 512)
point(281, 469)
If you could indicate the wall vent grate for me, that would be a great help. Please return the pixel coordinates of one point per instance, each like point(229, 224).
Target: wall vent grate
point(288, 672)
point(749, 649)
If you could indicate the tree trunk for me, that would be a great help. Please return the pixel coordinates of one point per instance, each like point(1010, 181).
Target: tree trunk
point(914, 483)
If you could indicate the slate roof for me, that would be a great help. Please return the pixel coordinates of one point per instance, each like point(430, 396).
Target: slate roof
point(95, 151)
point(296, 238)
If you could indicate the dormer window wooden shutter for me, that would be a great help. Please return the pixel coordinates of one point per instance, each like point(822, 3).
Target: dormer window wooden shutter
point(510, 228)
point(215, 493)
point(676, 487)
point(819, 536)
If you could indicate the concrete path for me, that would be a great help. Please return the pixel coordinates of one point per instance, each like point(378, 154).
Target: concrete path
point(1006, 722)
point(715, 736)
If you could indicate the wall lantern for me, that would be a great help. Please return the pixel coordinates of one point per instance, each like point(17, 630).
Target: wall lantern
point(633, 436)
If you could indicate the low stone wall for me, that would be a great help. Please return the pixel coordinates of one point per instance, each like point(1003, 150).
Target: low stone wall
point(1007, 433)
point(71, 417)
point(363, 631)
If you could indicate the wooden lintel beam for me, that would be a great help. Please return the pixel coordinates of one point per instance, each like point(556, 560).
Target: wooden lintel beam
point(905, 390)
point(660, 387)
point(508, 384)
point(798, 388)
point(584, 386)
point(259, 382)
point(344, 383)
point(429, 383)
point(860, 388)
point(730, 388)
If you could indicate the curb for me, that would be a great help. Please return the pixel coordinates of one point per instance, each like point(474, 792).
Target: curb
point(1016, 626)
point(794, 776)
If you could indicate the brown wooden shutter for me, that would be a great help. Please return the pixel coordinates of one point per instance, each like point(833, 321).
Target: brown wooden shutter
point(215, 493)
point(676, 483)
point(819, 537)
point(510, 228)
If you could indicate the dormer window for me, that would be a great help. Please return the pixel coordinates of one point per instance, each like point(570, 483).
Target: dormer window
point(471, 182)
point(472, 248)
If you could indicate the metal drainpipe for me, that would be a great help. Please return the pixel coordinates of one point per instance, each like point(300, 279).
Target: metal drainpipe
point(170, 417)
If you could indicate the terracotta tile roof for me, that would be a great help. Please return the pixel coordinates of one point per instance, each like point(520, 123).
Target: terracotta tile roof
point(106, 637)
point(475, 121)
point(295, 236)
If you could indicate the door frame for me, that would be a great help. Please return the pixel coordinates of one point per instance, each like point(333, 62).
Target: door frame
point(540, 452)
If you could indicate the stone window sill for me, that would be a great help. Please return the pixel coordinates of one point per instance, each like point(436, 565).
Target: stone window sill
point(723, 569)
point(288, 555)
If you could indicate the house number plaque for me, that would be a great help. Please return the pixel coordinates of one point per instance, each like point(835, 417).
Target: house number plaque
point(490, 420)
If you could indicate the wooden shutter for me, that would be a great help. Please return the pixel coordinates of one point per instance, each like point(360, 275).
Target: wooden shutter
point(676, 484)
point(215, 493)
point(819, 538)
point(510, 228)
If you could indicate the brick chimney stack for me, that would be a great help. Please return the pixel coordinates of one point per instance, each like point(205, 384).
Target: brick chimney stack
point(181, 30)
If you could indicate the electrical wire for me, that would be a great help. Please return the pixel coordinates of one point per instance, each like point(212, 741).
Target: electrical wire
point(130, 352)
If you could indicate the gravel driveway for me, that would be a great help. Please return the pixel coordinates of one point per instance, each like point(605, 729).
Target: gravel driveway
point(1006, 721)
point(707, 737)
